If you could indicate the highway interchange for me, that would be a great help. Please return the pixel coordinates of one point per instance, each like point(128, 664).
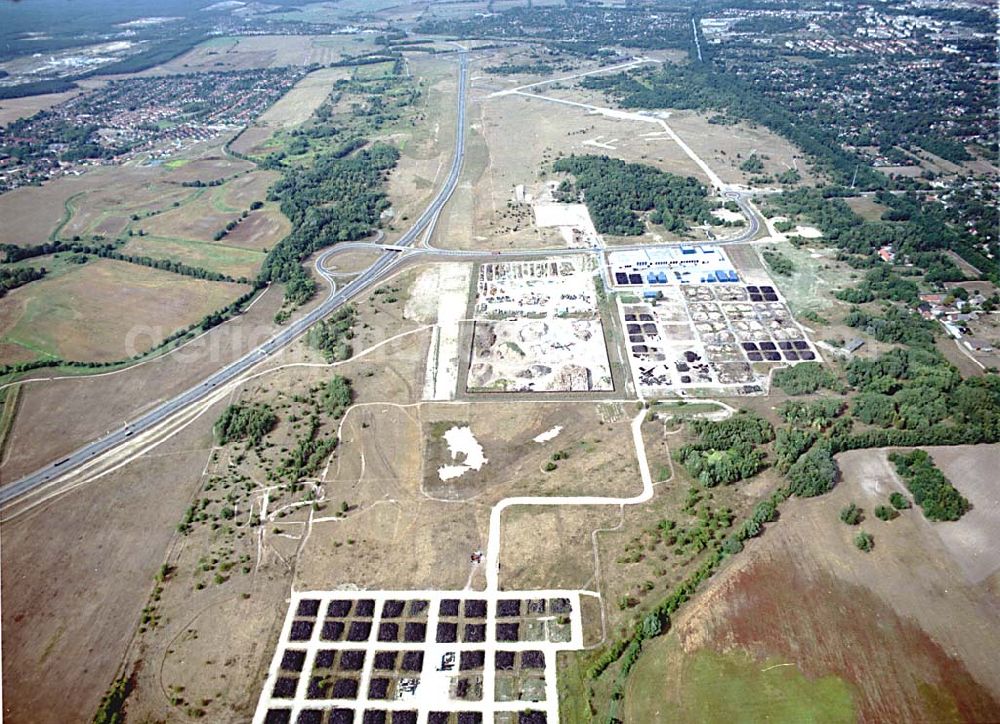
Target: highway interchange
point(392, 256)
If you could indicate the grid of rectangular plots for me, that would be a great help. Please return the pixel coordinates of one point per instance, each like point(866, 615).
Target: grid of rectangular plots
point(421, 656)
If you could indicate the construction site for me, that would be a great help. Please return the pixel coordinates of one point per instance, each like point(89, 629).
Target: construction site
point(537, 328)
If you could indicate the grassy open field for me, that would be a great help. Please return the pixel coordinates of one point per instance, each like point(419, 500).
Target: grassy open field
point(711, 686)
point(858, 636)
point(296, 106)
point(224, 258)
point(70, 317)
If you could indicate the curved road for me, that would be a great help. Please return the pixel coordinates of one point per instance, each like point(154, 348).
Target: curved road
point(335, 299)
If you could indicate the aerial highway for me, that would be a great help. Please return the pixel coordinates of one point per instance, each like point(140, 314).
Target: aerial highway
point(335, 298)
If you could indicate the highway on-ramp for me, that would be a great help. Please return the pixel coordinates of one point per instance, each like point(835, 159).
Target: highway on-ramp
point(336, 298)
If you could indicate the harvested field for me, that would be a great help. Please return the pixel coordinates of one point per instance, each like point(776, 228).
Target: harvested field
point(296, 106)
point(264, 51)
point(68, 316)
point(878, 628)
point(32, 213)
point(866, 207)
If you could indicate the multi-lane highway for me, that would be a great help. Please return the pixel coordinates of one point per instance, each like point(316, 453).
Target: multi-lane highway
point(335, 299)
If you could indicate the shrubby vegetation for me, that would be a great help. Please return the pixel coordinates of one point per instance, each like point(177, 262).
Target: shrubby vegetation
point(332, 335)
point(779, 263)
point(337, 396)
point(804, 378)
point(817, 414)
point(864, 541)
point(726, 451)
point(931, 489)
point(614, 190)
point(245, 422)
point(851, 515)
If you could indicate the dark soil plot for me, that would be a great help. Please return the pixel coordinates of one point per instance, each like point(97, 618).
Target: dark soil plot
point(415, 632)
point(438, 717)
point(284, 687)
point(339, 608)
point(332, 631)
point(319, 688)
point(324, 659)
point(293, 660)
point(532, 660)
point(470, 717)
point(417, 608)
point(374, 716)
point(301, 631)
point(768, 346)
point(386, 660)
point(392, 608)
point(449, 607)
point(413, 661)
point(531, 717)
point(352, 660)
point(508, 631)
point(344, 716)
point(308, 607)
point(474, 633)
point(536, 606)
point(461, 689)
point(475, 608)
point(310, 716)
point(359, 631)
point(755, 356)
point(504, 660)
point(470, 660)
point(278, 716)
point(447, 633)
point(772, 356)
point(378, 688)
point(365, 607)
point(404, 717)
point(508, 607)
point(388, 631)
point(801, 344)
point(345, 689)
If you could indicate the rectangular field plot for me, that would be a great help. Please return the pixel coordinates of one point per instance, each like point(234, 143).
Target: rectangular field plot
point(720, 337)
point(427, 656)
point(538, 329)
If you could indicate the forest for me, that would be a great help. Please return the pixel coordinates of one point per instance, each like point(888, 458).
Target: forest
point(615, 190)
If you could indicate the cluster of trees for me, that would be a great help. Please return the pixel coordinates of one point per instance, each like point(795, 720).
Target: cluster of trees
point(726, 451)
point(932, 491)
point(539, 68)
point(895, 324)
point(614, 190)
point(816, 414)
point(805, 378)
point(881, 282)
point(245, 422)
point(337, 396)
point(340, 198)
point(815, 472)
point(14, 278)
point(332, 335)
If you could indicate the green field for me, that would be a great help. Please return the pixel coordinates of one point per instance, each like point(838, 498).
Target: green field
point(215, 256)
point(669, 685)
